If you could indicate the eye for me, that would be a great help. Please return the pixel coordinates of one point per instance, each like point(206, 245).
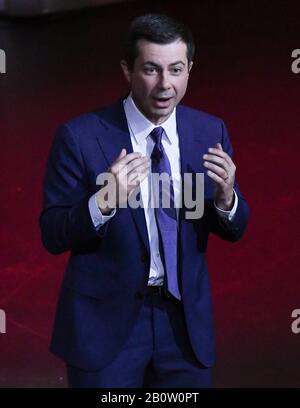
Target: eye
point(176, 70)
point(150, 70)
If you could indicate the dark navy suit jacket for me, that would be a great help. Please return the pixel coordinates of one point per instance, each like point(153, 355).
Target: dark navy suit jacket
point(107, 272)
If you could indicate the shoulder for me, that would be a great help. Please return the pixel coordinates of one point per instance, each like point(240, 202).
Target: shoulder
point(84, 123)
point(87, 126)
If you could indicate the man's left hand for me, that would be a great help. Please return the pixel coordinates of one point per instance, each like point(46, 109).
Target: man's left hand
point(222, 170)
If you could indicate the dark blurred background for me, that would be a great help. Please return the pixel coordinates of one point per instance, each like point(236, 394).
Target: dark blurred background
point(62, 62)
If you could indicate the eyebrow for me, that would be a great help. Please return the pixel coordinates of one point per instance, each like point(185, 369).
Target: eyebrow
point(178, 62)
point(156, 65)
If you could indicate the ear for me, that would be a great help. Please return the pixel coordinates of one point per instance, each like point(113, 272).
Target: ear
point(126, 70)
point(190, 66)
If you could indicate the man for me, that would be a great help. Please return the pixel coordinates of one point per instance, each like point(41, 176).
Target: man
point(134, 308)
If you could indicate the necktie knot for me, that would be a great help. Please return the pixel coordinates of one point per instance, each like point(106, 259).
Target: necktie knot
point(156, 134)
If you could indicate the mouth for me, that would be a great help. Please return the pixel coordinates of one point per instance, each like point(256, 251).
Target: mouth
point(162, 102)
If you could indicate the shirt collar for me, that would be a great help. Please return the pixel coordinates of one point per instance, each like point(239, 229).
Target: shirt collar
point(141, 127)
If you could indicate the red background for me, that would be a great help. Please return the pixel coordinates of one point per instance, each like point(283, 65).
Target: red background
point(62, 66)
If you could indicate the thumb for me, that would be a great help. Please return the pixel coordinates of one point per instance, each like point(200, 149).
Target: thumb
point(122, 154)
point(218, 146)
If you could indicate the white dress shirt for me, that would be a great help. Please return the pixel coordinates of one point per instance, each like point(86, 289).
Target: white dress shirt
point(140, 128)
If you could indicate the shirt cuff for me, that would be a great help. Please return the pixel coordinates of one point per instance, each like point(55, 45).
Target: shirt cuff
point(228, 215)
point(97, 217)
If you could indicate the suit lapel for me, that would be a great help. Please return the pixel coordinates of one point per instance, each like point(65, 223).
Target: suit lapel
point(111, 142)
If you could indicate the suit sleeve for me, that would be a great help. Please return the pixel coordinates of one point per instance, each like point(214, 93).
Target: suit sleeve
point(229, 230)
point(65, 220)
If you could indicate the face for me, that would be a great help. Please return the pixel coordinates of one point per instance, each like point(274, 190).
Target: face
point(159, 78)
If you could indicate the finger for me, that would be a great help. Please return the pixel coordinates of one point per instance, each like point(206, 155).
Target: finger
point(215, 177)
point(134, 164)
point(129, 157)
point(122, 154)
point(219, 147)
point(217, 160)
point(221, 172)
point(139, 169)
point(221, 153)
point(137, 178)
point(122, 161)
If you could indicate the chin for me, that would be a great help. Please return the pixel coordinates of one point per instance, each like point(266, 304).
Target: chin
point(162, 111)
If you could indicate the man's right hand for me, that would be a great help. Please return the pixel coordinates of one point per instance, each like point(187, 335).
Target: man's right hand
point(128, 171)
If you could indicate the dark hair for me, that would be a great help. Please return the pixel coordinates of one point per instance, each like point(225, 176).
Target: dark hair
point(159, 29)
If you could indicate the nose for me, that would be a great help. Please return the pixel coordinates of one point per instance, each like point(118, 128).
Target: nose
point(164, 82)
